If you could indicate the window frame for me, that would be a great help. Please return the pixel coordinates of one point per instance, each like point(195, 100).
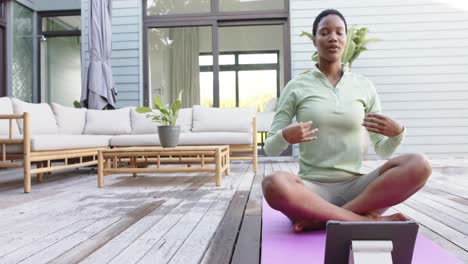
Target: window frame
point(217, 19)
point(236, 67)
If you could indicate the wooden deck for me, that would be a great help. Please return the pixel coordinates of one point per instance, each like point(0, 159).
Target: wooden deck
point(182, 217)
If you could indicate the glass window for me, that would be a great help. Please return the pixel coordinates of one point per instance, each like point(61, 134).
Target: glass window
point(251, 5)
point(61, 70)
point(207, 60)
point(174, 64)
point(256, 88)
point(255, 84)
point(172, 7)
point(258, 58)
point(2, 62)
point(61, 23)
point(227, 92)
point(22, 67)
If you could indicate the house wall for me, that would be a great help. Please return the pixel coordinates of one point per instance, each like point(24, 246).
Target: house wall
point(51, 5)
point(420, 69)
point(126, 49)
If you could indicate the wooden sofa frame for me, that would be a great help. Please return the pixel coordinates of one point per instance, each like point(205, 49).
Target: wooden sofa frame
point(76, 158)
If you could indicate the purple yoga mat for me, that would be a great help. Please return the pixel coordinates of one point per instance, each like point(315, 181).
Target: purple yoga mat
point(281, 245)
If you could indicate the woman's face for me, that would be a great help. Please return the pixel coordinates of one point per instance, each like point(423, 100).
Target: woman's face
point(330, 38)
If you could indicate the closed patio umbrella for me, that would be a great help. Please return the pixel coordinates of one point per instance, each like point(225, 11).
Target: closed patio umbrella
point(98, 91)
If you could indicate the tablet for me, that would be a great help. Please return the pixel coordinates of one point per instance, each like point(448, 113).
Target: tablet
point(340, 234)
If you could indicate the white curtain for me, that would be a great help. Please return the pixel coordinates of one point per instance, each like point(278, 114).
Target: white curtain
point(184, 67)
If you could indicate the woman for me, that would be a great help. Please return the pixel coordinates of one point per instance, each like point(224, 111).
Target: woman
point(331, 105)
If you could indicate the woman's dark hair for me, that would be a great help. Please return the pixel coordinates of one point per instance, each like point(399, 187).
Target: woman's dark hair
point(325, 13)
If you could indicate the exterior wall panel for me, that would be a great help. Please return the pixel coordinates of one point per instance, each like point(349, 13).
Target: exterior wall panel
point(126, 45)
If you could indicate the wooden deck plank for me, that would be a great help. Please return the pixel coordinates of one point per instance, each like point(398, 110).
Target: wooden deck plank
point(222, 244)
point(61, 207)
point(175, 209)
point(82, 205)
point(68, 243)
point(248, 245)
point(180, 205)
point(441, 209)
point(164, 250)
point(453, 235)
point(121, 242)
point(195, 246)
point(87, 247)
point(441, 217)
point(447, 199)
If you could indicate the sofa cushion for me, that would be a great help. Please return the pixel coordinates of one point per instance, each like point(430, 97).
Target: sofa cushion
point(184, 120)
point(108, 122)
point(216, 138)
point(135, 140)
point(42, 119)
point(143, 125)
point(209, 119)
point(69, 120)
point(63, 142)
point(6, 108)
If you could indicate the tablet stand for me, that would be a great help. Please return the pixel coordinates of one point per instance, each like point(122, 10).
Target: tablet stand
point(371, 251)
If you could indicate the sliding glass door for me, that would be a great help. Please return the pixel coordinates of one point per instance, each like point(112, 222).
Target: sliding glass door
point(23, 55)
point(221, 53)
point(60, 57)
point(174, 65)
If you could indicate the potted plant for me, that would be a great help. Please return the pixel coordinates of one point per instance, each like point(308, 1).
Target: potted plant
point(355, 44)
point(166, 116)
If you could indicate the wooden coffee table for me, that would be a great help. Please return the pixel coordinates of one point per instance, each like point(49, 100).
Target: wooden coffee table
point(156, 159)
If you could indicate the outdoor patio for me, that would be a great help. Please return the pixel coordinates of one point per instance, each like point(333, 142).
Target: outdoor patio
point(182, 217)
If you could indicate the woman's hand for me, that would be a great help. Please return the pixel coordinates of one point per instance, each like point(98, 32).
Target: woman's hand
point(299, 132)
point(382, 125)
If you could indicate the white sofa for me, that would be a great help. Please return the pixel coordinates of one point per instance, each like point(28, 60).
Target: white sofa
point(56, 137)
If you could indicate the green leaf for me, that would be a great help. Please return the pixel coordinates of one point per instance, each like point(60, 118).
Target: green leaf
point(143, 109)
point(315, 56)
point(350, 46)
point(371, 40)
point(175, 106)
point(307, 34)
point(158, 104)
point(179, 97)
point(164, 112)
point(76, 104)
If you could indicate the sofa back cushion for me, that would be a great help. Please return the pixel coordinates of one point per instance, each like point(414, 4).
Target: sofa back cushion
point(143, 125)
point(42, 119)
point(6, 108)
point(108, 122)
point(209, 119)
point(69, 120)
point(184, 120)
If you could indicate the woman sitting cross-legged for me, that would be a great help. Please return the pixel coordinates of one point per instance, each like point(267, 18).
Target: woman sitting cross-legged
point(331, 105)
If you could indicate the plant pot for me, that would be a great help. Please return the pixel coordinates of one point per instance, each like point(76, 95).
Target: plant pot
point(169, 136)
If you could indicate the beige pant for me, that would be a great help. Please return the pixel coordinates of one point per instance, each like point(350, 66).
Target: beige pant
point(339, 193)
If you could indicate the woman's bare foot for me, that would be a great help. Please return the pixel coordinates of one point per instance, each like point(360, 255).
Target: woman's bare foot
point(394, 217)
point(307, 225)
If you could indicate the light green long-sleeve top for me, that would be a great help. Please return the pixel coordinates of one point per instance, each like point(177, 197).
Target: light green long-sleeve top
point(338, 113)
